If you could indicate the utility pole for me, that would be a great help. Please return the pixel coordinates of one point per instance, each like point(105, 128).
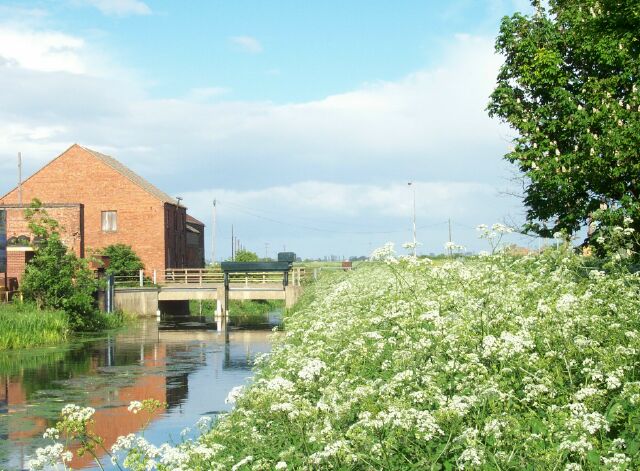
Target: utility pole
point(213, 235)
point(233, 244)
point(415, 243)
point(450, 249)
point(20, 178)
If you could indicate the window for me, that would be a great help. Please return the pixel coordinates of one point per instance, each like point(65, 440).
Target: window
point(109, 221)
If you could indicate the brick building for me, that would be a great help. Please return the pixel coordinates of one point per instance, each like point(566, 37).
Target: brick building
point(99, 202)
point(195, 242)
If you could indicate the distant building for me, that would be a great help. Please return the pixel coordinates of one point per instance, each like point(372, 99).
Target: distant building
point(195, 242)
point(98, 202)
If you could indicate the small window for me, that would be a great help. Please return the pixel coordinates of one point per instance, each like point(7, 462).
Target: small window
point(109, 221)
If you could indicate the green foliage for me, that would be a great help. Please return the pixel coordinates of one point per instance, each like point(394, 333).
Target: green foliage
point(569, 86)
point(24, 325)
point(493, 362)
point(55, 278)
point(246, 256)
point(123, 261)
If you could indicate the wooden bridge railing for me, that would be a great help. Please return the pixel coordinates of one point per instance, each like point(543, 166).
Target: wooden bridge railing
point(204, 276)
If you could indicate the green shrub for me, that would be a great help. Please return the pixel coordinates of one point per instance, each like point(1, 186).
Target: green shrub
point(123, 261)
point(55, 278)
point(246, 256)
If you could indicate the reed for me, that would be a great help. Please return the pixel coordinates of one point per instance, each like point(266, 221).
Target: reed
point(23, 325)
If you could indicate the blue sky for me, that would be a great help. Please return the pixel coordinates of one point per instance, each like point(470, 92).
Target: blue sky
point(305, 120)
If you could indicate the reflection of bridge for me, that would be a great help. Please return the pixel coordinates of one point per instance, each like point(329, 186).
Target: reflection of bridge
point(141, 295)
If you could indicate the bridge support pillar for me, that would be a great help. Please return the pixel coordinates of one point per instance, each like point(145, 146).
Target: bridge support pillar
point(222, 308)
point(291, 295)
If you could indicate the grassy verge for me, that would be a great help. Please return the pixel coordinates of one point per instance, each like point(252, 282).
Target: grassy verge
point(23, 325)
point(483, 363)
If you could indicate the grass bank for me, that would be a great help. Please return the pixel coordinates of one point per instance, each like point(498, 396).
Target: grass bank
point(486, 363)
point(23, 325)
point(480, 363)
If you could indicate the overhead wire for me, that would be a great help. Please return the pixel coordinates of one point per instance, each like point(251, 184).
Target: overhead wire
point(325, 230)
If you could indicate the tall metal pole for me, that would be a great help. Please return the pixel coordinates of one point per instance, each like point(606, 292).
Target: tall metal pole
point(213, 235)
point(20, 178)
point(233, 244)
point(450, 248)
point(415, 243)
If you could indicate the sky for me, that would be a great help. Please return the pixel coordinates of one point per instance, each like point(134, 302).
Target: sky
point(305, 121)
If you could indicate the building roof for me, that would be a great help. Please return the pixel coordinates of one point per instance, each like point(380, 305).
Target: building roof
point(131, 175)
point(192, 220)
point(190, 228)
point(118, 167)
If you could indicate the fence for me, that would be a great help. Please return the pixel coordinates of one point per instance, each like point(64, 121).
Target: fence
point(206, 276)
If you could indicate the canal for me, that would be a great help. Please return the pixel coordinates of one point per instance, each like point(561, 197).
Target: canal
point(184, 363)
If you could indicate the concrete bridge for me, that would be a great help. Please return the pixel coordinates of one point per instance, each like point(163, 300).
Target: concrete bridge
point(147, 296)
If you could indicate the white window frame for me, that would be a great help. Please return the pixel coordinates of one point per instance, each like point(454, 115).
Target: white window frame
point(109, 224)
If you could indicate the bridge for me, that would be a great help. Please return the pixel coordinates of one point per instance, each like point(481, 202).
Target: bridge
point(169, 291)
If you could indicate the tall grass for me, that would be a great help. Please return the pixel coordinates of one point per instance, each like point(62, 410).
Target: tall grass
point(23, 325)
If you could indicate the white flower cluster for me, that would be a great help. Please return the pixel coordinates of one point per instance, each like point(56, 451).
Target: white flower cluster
point(49, 456)
point(75, 413)
point(483, 363)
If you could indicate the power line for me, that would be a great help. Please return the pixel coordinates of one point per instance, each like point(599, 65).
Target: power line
point(320, 229)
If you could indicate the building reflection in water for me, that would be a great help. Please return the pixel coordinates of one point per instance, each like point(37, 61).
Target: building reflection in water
point(143, 362)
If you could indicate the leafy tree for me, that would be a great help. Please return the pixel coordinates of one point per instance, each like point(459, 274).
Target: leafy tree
point(123, 261)
point(55, 278)
point(246, 256)
point(569, 87)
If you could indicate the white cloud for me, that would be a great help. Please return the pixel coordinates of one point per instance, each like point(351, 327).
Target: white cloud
point(435, 200)
point(120, 7)
point(45, 51)
point(347, 156)
point(246, 44)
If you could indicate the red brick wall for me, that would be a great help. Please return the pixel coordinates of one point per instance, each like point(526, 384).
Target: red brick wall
point(76, 176)
point(70, 218)
point(16, 262)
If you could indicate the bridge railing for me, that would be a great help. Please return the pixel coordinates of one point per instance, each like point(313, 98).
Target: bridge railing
point(209, 276)
point(205, 276)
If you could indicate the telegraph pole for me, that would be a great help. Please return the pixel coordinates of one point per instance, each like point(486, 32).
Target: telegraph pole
point(213, 235)
point(415, 243)
point(450, 249)
point(233, 243)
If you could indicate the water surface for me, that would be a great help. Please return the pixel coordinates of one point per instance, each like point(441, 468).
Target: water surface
point(185, 363)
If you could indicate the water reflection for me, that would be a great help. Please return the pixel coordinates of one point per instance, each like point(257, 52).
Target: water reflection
point(185, 364)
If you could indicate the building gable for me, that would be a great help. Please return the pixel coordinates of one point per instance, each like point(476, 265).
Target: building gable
point(74, 151)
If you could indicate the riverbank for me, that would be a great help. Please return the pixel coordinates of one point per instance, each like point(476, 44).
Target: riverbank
point(22, 325)
point(492, 363)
